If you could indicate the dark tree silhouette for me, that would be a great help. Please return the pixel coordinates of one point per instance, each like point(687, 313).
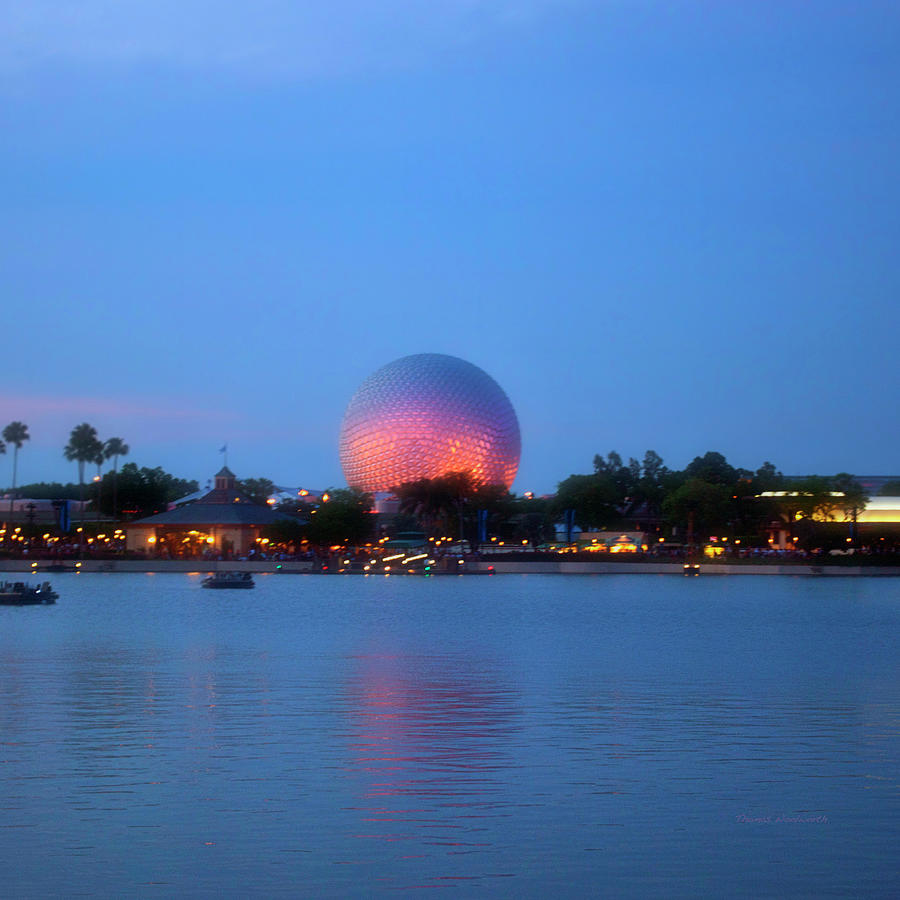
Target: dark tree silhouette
point(16, 433)
point(435, 500)
point(113, 449)
point(84, 446)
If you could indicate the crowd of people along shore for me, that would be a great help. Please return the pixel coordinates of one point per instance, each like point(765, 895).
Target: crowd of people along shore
point(66, 549)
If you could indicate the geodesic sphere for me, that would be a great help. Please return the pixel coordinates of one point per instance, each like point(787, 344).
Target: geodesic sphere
point(428, 415)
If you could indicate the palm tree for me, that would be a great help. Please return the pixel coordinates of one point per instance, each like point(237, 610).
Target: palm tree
point(83, 447)
point(113, 449)
point(16, 433)
point(423, 500)
point(434, 499)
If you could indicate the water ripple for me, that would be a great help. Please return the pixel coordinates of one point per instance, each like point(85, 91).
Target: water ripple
point(519, 737)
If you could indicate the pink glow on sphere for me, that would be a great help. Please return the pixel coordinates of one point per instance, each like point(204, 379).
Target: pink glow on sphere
point(424, 416)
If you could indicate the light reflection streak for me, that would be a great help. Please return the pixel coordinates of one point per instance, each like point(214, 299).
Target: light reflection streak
point(441, 739)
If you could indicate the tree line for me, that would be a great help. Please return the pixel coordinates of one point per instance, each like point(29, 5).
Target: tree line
point(709, 497)
point(16, 433)
point(133, 491)
point(141, 491)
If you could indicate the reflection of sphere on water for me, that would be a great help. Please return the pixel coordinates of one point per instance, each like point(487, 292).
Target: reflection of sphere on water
point(426, 415)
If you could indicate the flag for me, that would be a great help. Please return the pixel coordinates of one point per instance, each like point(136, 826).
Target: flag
point(223, 448)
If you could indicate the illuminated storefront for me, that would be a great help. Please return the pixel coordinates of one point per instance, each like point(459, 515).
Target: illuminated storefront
point(225, 521)
point(613, 541)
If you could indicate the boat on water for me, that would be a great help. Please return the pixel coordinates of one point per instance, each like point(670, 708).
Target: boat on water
point(239, 580)
point(20, 593)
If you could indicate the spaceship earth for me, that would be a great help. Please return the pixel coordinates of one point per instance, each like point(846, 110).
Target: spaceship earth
point(424, 416)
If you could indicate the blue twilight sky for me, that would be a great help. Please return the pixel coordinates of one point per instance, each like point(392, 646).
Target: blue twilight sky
point(667, 225)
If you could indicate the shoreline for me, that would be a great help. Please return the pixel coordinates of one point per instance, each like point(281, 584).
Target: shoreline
point(474, 567)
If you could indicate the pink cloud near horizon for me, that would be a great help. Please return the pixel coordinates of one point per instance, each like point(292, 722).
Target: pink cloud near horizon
point(78, 407)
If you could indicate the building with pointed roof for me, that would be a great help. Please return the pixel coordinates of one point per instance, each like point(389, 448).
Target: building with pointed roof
point(224, 520)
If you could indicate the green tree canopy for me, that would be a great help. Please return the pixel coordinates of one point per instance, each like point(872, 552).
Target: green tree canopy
point(143, 491)
point(624, 478)
point(344, 518)
point(50, 490)
point(653, 468)
point(16, 433)
point(699, 507)
point(113, 449)
point(807, 498)
point(768, 478)
point(288, 530)
point(84, 446)
point(534, 520)
point(594, 498)
point(854, 498)
point(296, 507)
point(258, 489)
point(436, 502)
point(651, 487)
point(712, 468)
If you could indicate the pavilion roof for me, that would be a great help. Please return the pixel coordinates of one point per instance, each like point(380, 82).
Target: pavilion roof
point(203, 512)
point(221, 506)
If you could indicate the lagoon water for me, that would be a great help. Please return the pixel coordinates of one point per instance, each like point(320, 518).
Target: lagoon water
point(514, 736)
